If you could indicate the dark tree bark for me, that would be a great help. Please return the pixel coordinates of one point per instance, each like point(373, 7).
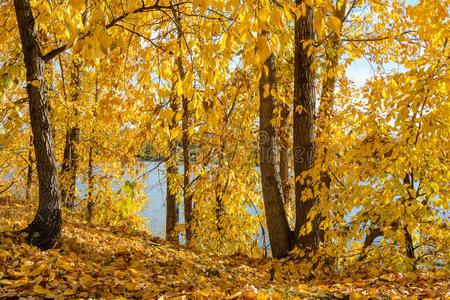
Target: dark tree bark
point(172, 213)
point(304, 128)
point(374, 232)
point(70, 161)
point(187, 194)
point(45, 229)
point(90, 203)
point(69, 167)
point(30, 169)
point(409, 244)
point(284, 153)
point(408, 181)
point(277, 224)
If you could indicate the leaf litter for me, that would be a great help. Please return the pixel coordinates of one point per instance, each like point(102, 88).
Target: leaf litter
point(102, 262)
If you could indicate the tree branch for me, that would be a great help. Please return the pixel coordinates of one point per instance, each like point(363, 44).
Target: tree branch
point(144, 8)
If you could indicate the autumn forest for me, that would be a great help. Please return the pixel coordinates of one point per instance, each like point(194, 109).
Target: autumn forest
point(303, 145)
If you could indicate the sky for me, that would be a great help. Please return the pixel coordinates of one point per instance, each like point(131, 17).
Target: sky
point(360, 71)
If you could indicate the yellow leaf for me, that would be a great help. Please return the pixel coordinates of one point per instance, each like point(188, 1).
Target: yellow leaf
point(35, 83)
point(20, 282)
point(335, 24)
point(319, 24)
point(262, 296)
point(205, 292)
point(40, 290)
point(69, 292)
point(133, 271)
point(266, 70)
point(51, 276)
point(6, 282)
point(287, 12)
point(276, 296)
point(264, 14)
point(131, 286)
point(266, 90)
point(86, 280)
point(355, 295)
point(38, 270)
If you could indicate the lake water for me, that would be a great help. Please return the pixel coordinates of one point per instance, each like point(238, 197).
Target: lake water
point(155, 188)
point(155, 210)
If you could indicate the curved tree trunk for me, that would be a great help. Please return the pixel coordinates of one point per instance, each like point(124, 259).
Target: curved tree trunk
point(304, 129)
point(45, 229)
point(277, 224)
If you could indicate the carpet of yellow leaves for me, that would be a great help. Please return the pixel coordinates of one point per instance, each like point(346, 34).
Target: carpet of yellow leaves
point(115, 263)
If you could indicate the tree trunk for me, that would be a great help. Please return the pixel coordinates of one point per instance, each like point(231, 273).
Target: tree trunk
point(45, 229)
point(408, 181)
point(187, 195)
point(70, 162)
point(277, 224)
point(304, 129)
point(332, 62)
point(409, 245)
point(332, 57)
point(90, 203)
point(69, 168)
point(172, 213)
point(171, 198)
point(30, 169)
point(284, 153)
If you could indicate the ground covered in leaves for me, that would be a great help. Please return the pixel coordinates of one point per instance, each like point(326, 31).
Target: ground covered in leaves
point(113, 263)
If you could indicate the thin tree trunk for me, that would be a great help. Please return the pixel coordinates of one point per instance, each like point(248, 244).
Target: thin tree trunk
point(90, 203)
point(187, 195)
point(284, 153)
point(171, 198)
point(409, 244)
point(368, 241)
point(69, 168)
point(30, 169)
point(45, 230)
point(304, 129)
point(70, 162)
point(332, 56)
point(408, 181)
point(172, 214)
point(277, 224)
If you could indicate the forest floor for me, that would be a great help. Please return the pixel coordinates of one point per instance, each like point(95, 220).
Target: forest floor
point(113, 263)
